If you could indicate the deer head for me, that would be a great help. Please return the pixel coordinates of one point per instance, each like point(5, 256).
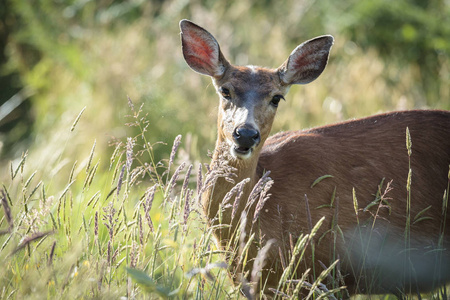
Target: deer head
point(249, 95)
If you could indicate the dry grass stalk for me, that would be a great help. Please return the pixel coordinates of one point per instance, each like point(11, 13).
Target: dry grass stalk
point(282, 259)
point(115, 154)
point(96, 242)
point(300, 247)
point(150, 195)
point(308, 213)
point(91, 156)
point(329, 277)
point(242, 232)
point(317, 286)
point(321, 289)
point(27, 183)
point(263, 197)
point(279, 293)
point(187, 209)
point(120, 181)
point(110, 222)
point(335, 225)
point(237, 199)
point(129, 152)
point(19, 166)
point(242, 235)
point(199, 182)
point(257, 189)
point(52, 253)
point(72, 171)
point(381, 201)
point(173, 180)
point(94, 199)
point(130, 104)
point(259, 264)
point(136, 173)
point(186, 180)
point(236, 189)
point(219, 169)
point(134, 254)
point(90, 177)
point(176, 144)
point(7, 209)
point(29, 239)
point(141, 230)
point(77, 119)
point(299, 283)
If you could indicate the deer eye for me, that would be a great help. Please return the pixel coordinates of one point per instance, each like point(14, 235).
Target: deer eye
point(225, 93)
point(275, 100)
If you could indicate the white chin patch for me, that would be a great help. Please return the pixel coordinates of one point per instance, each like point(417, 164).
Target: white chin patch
point(240, 153)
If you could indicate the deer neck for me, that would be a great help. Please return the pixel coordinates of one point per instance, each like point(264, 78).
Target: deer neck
point(213, 197)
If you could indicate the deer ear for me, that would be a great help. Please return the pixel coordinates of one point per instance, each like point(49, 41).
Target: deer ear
point(201, 50)
point(307, 61)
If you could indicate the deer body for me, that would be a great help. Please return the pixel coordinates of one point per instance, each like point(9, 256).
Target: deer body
point(361, 155)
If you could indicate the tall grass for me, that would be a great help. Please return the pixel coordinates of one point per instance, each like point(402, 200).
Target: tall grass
point(131, 231)
point(131, 226)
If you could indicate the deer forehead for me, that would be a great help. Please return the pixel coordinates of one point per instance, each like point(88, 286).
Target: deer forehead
point(251, 80)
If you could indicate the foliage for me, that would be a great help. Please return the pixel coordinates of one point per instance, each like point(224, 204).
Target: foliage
point(408, 32)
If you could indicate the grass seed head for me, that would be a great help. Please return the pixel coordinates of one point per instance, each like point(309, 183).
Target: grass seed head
point(408, 142)
point(257, 189)
point(264, 196)
point(176, 144)
point(7, 210)
point(130, 145)
point(239, 194)
point(120, 181)
point(77, 119)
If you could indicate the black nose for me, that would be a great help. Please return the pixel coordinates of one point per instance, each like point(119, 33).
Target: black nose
point(246, 137)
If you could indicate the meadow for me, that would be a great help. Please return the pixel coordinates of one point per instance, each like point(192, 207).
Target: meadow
point(103, 164)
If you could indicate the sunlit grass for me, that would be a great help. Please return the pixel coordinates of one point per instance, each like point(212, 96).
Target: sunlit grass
point(128, 226)
point(78, 241)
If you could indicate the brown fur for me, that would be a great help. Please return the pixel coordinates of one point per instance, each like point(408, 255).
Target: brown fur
point(359, 154)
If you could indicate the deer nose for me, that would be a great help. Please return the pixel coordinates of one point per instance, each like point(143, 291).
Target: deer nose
point(246, 137)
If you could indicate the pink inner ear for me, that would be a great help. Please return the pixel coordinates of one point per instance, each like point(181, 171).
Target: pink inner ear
point(201, 48)
point(200, 53)
point(306, 63)
point(308, 58)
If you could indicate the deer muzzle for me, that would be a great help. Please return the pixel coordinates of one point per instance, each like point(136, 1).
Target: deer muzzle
point(245, 138)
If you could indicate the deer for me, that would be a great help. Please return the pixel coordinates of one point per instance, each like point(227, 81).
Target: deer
point(388, 176)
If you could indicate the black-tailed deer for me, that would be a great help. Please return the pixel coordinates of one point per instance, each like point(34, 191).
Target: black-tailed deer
point(388, 226)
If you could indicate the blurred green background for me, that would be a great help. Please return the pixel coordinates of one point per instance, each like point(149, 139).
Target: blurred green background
point(58, 57)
